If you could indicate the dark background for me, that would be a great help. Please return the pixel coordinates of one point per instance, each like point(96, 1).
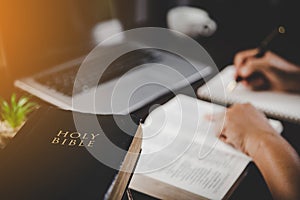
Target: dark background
point(35, 35)
point(241, 24)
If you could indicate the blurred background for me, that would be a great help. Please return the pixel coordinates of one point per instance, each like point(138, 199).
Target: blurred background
point(36, 35)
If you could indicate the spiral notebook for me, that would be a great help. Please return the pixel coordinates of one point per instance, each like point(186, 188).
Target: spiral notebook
point(275, 104)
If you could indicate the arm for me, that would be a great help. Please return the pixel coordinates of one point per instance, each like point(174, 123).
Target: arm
point(249, 131)
point(279, 74)
point(279, 165)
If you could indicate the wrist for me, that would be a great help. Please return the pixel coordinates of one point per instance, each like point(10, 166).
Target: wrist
point(256, 144)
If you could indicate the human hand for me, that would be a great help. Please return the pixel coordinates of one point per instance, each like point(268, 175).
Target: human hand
point(248, 130)
point(245, 128)
point(276, 73)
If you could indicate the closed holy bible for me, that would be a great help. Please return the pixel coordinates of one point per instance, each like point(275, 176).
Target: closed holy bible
point(68, 155)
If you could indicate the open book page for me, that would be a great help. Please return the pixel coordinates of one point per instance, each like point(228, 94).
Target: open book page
point(180, 148)
point(275, 104)
point(211, 176)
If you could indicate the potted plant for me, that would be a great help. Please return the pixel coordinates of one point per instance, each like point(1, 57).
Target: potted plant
point(13, 116)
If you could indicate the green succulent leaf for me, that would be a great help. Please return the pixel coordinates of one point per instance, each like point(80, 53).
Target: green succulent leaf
point(22, 101)
point(15, 113)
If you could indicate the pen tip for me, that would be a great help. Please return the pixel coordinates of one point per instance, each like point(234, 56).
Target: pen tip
point(281, 29)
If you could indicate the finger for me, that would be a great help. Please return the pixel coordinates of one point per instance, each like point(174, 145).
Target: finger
point(221, 132)
point(242, 56)
point(223, 139)
point(217, 122)
point(255, 74)
point(215, 116)
point(261, 83)
point(226, 140)
point(257, 80)
point(253, 65)
point(256, 84)
point(246, 84)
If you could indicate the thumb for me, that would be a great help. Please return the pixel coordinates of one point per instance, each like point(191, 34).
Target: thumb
point(253, 65)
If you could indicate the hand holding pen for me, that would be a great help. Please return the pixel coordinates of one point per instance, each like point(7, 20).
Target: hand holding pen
point(249, 70)
point(256, 79)
point(261, 69)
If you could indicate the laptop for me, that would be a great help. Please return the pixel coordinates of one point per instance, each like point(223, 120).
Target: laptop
point(131, 81)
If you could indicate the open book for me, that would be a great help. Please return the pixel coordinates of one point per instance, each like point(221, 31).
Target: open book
point(275, 104)
point(182, 158)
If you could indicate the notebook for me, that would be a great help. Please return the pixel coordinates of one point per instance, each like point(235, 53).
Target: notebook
point(275, 104)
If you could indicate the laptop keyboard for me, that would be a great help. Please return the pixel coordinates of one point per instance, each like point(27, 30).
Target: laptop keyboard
point(63, 80)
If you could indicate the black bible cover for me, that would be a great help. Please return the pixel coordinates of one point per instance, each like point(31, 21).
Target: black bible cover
point(50, 156)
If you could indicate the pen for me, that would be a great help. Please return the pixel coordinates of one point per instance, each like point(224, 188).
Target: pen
point(262, 49)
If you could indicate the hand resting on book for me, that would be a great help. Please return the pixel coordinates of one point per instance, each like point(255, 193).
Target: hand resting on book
point(248, 130)
point(277, 73)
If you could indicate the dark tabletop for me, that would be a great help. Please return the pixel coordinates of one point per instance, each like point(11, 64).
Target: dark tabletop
point(252, 186)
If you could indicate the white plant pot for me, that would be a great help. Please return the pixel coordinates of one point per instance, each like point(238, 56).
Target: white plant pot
point(6, 133)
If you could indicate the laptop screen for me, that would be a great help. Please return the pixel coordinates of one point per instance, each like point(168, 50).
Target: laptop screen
point(38, 34)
